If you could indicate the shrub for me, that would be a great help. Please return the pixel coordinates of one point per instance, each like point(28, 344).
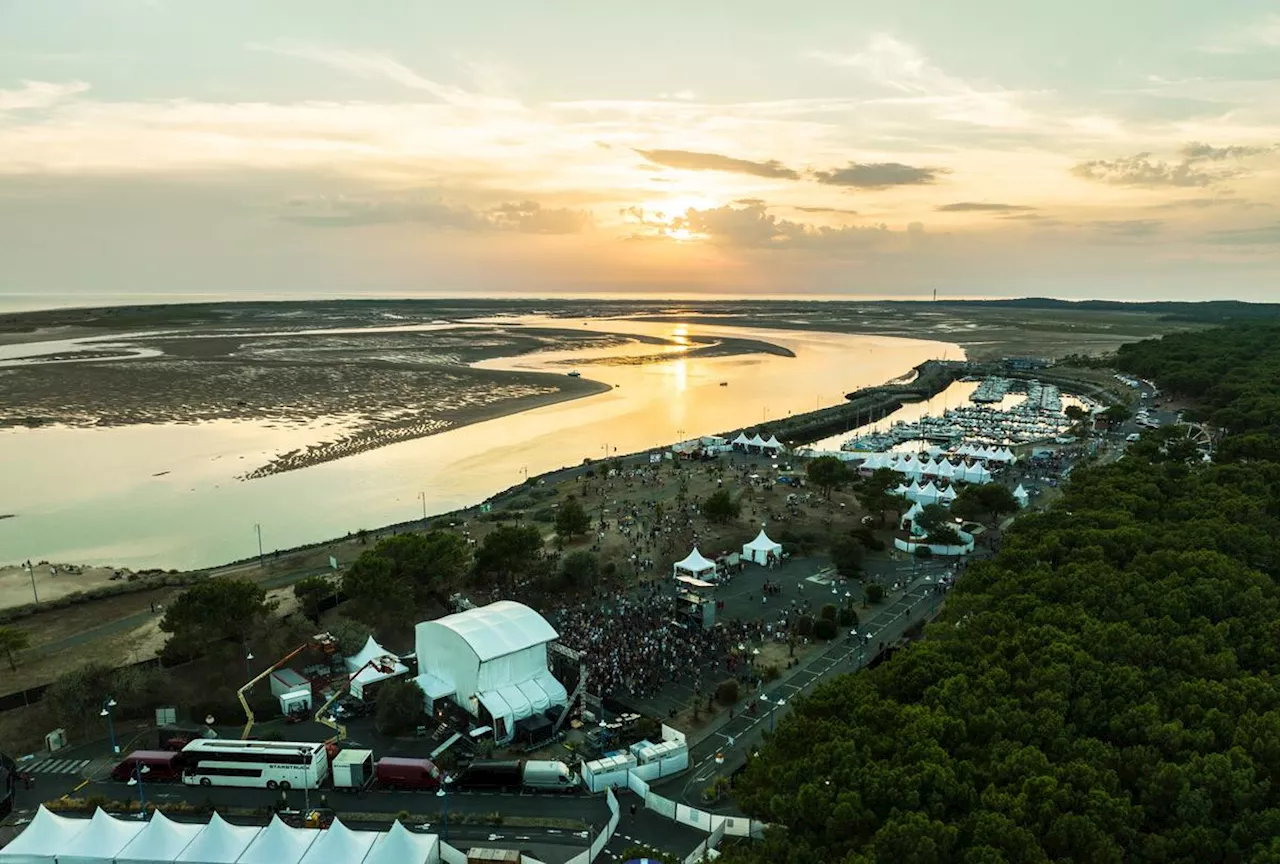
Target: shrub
point(825, 628)
point(727, 692)
point(828, 612)
point(925, 551)
point(848, 617)
point(875, 592)
point(804, 626)
point(771, 672)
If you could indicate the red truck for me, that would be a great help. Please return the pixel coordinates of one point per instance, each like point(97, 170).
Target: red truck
point(400, 773)
point(162, 766)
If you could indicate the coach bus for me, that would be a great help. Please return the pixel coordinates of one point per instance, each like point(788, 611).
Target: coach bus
point(263, 764)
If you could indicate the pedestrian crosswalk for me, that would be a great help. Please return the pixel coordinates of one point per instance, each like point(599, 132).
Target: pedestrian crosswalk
point(55, 766)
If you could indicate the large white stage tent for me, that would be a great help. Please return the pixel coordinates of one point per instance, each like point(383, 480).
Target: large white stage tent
point(338, 844)
point(696, 566)
point(402, 846)
point(279, 843)
point(493, 658)
point(101, 840)
point(161, 842)
point(219, 843)
point(759, 549)
point(45, 836)
point(365, 674)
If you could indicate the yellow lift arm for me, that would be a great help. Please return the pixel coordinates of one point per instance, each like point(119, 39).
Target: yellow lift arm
point(385, 665)
point(322, 640)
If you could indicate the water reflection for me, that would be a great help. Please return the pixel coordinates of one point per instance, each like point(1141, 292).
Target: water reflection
point(90, 495)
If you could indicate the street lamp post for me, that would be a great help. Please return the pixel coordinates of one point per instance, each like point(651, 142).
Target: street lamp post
point(444, 799)
point(107, 705)
point(248, 655)
point(136, 780)
point(258, 528)
point(422, 496)
point(31, 571)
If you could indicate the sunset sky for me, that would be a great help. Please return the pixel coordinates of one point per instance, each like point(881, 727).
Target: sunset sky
point(166, 149)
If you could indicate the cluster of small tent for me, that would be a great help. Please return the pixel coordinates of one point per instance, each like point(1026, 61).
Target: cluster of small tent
point(926, 494)
point(105, 839)
point(756, 444)
point(943, 469)
point(988, 454)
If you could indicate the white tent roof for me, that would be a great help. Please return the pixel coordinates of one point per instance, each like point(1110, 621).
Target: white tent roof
point(949, 494)
point(977, 473)
point(1020, 493)
point(762, 543)
point(101, 839)
point(433, 687)
point(756, 440)
point(901, 489)
point(910, 467)
point(695, 562)
point(500, 628)
point(773, 443)
point(402, 846)
point(1004, 454)
point(946, 470)
point(929, 467)
point(741, 440)
point(279, 844)
point(45, 836)
point(338, 844)
point(219, 843)
point(160, 842)
point(914, 488)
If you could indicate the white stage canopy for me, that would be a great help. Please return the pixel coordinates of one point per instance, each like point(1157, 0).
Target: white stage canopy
point(219, 843)
point(759, 549)
point(695, 564)
point(101, 840)
point(45, 836)
point(338, 844)
point(160, 842)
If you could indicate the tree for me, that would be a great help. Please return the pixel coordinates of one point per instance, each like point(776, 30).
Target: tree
point(846, 554)
point(400, 574)
point(579, 569)
point(400, 704)
point(1075, 413)
point(219, 607)
point(932, 517)
point(571, 520)
point(827, 473)
point(727, 691)
point(720, 507)
point(875, 592)
point(986, 502)
point(824, 628)
point(13, 640)
point(311, 592)
point(508, 550)
point(1116, 414)
point(351, 635)
point(877, 496)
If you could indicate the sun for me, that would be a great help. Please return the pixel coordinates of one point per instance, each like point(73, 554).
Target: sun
point(680, 234)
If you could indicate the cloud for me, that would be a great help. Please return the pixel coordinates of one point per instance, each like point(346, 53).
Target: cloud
point(39, 94)
point(1203, 203)
point(380, 67)
point(754, 227)
point(1264, 235)
point(1126, 227)
point(1141, 170)
point(689, 160)
point(1196, 152)
point(878, 175)
point(980, 207)
point(751, 202)
point(343, 212)
point(840, 210)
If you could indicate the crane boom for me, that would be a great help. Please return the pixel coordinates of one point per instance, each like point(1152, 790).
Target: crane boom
point(385, 665)
point(322, 640)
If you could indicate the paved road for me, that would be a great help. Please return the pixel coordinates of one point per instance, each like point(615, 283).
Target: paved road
point(746, 731)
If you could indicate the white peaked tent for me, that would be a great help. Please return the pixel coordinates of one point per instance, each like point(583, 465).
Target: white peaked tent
point(902, 490)
point(338, 844)
point(741, 441)
point(279, 844)
point(911, 515)
point(975, 473)
point(946, 470)
point(876, 460)
point(773, 443)
point(365, 674)
point(219, 843)
point(964, 450)
point(695, 565)
point(101, 840)
point(45, 836)
point(930, 468)
point(160, 842)
point(1004, 454)
point(1022, 496)
point(913, 491)
point(948, 495)
point(402, 846)
point(759, 549)
point(910, 467)
point(756, 441)
point(928, 494)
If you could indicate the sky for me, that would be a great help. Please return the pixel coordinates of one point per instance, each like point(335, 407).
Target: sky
point(173, 149)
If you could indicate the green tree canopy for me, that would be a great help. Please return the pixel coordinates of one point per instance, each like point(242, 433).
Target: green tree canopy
point(571, 520)
point(12, 641)
point(847, 554)
point(1102, 690)
point(311, 591)
point(220, 607)
point(875, 493)
point(580, 569)
point(828, 473)
point(510, 550)
point(400, 705)
point(720, 507)
point(391, 581)
point(985, 502)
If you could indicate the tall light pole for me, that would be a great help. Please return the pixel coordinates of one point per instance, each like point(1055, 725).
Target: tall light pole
point(31, 571)
point(248, 655)
point(258, 528)
point(422, 496)
point(136, 780)
point(444, 799)
point(107, 705)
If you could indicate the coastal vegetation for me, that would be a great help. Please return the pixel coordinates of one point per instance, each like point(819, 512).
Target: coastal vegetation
point(1101, 690)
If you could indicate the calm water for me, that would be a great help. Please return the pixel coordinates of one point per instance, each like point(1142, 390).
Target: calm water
point(91, 495)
